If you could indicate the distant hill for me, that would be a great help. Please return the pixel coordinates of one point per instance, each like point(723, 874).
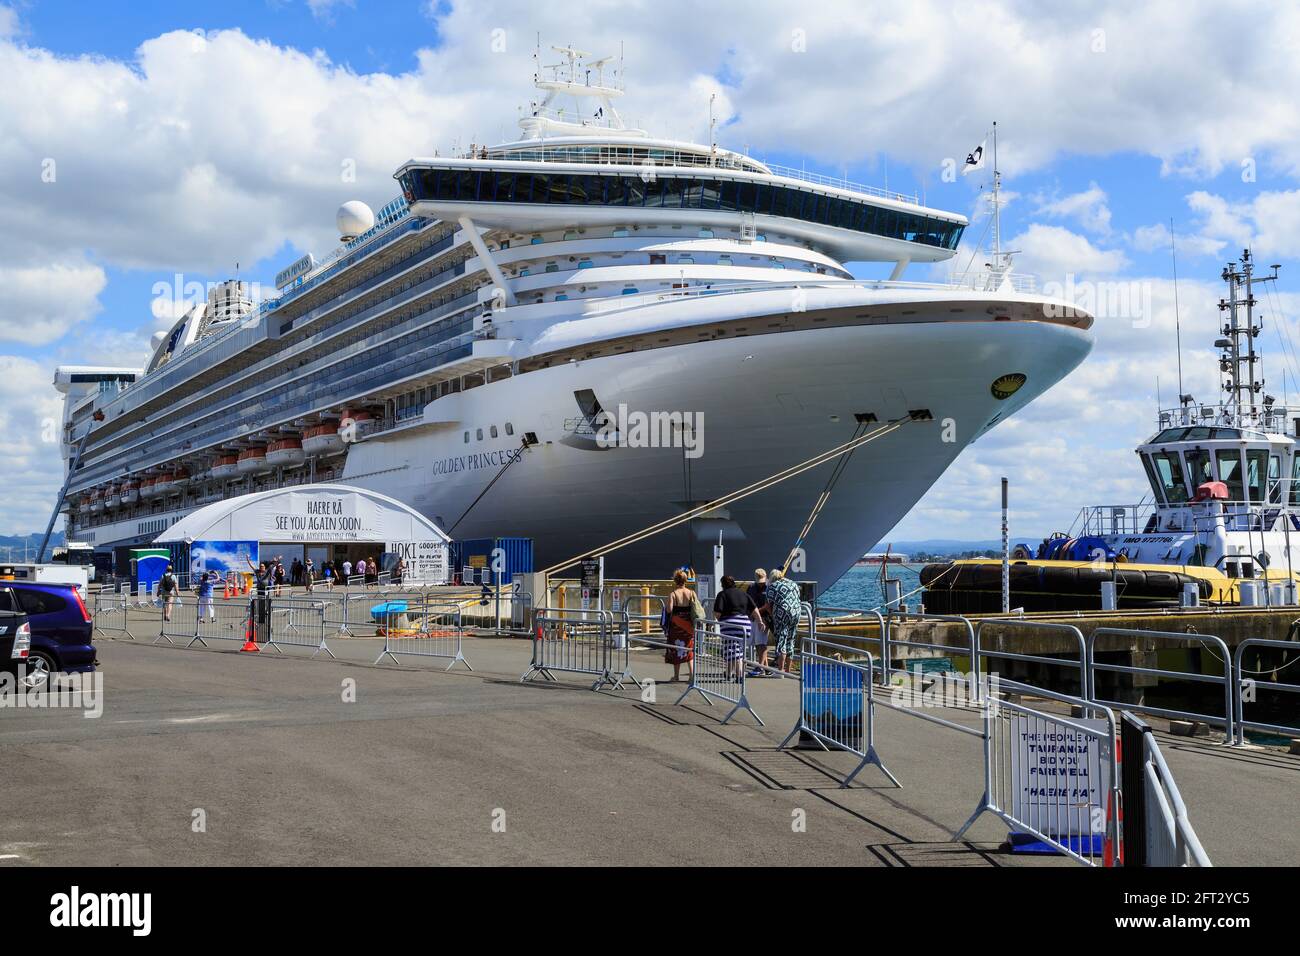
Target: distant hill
point(950, 546)
point(15, 542)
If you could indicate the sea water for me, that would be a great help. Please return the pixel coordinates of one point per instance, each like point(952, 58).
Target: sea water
point(861, 587)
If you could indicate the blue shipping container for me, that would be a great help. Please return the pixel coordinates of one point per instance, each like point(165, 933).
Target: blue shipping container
point(477, 553)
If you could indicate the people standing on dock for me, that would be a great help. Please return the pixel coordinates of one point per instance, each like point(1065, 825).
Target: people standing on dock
point(684, 609)
point(763, 623)
point(783, 596)
point(167, 592)
point(735, 612)
point(204, 590)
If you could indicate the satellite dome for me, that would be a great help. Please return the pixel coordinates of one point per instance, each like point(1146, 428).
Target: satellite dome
point(353, 218)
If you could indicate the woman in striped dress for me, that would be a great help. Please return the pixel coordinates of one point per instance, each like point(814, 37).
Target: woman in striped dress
point(734, 610)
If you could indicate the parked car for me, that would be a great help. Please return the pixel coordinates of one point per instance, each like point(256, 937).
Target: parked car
point(62, 630)
point(15, 634)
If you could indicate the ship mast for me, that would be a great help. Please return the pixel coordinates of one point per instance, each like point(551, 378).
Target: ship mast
point(1241, 379)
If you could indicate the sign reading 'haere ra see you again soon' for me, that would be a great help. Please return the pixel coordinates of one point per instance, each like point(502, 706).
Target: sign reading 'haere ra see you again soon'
point(322, 516)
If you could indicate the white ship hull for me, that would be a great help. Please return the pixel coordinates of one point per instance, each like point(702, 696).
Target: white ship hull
point(767, 403)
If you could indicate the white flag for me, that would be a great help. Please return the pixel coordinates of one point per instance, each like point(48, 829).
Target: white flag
point(974, 159)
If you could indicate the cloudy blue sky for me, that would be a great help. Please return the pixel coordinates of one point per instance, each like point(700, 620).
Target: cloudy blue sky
point(186, 138)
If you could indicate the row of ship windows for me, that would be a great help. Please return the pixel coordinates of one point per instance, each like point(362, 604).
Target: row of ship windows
point(677, 192)
point(492, 432)
point(769, 262)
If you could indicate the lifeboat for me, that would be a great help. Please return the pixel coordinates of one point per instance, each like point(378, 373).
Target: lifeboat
point(285, 452)
point(322, 439)
point(83, 503)
point(113, 497)
point(180, 478)
point(130, 492)
point(252, 461)
point(163, 484)
point(353, 423)
point(225, 466)
point(148, 487)
point(96, 501)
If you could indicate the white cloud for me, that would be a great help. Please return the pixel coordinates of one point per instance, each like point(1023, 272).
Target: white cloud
point(30, 413)
point(1155, 238)
point(1269, 223)
point(41, 303)
point(1088, 208)
point(9, 25)
point(1054, 252)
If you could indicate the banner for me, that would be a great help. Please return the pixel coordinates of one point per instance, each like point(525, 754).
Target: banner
point(321, 516)
point(222, 556)
point(428, 562)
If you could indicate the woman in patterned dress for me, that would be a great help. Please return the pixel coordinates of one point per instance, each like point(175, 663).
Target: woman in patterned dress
point(783, 596)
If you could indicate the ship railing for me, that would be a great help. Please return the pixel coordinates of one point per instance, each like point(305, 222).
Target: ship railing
point(1264, 417)
point(1113, 519)
point(1019, 282)
point(789, 172)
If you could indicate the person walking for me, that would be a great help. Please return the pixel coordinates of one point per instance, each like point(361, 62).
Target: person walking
point(762, 624)
point(735, 612)
point(347, 571)
point(327, 572)
point(683, 610)
point(783, 596)
point(309, 576)
point(399, 570)
point(167, 589)
point(204, 590)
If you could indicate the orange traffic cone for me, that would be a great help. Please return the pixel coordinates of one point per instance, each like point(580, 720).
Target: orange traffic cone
point(250, 639)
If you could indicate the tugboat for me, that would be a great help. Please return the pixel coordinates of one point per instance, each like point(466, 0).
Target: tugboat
point(1225, 483)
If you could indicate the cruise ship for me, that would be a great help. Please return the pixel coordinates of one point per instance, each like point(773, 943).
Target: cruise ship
point(467, 349)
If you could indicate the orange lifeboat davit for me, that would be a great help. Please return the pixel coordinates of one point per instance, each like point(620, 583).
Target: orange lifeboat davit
point(285, 452)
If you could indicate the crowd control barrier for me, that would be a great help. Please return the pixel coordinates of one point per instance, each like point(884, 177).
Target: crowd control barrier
point(110, 614)
point(1177, 637)
point(416, 626)
point(1249, 688)
point(1051, 777)
point(719, 670)
point(837, 704)
point(297, 622)
point(1157, 831)
point(577, 641)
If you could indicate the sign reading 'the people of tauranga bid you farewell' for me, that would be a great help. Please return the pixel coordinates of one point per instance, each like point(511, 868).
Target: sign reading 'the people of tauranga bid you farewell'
point(321, 516)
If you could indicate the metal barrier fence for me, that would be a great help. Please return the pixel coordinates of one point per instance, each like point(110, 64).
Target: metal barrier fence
point(223, 619)
point(1250, 687)
point(1080, 666)
point(296, 622)
point(423, 628)
point(578, 641)
point(110, 615)
point(1052, 777)
point(719, 670)
point(1124, 632)
point(1157, 831)
point(837, 704)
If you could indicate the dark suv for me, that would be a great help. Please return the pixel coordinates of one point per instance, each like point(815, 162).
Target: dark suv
point(15, 634)
point(62, 630)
